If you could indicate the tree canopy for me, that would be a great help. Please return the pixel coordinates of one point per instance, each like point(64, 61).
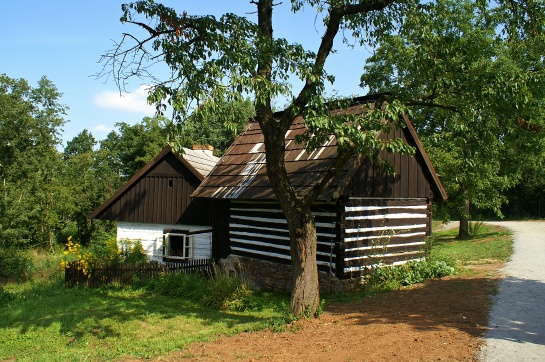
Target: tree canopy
point(31, 121)
point(475, 82)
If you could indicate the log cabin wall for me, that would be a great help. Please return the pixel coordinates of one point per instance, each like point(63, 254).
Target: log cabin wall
point(259, 230)
point(377, 231)
point(409, 180)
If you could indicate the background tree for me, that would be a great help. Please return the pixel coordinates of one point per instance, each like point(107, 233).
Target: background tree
point(475, 81)
point(84, 182)
point(204, 126)
point(31, 121)
point(139, 143)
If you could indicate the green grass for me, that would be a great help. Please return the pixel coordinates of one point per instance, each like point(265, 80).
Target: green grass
point(491, 244)
point(41, 320)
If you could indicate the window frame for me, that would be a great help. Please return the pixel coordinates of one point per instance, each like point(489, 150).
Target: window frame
point(187, 245)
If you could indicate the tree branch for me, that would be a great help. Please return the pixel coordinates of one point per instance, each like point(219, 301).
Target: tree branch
point(336, 14)
point(431, 105)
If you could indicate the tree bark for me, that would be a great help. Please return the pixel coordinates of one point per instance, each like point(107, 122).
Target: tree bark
point(463, 230)
point(305, 296)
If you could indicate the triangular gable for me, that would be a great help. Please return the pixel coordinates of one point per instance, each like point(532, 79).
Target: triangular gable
point(338, 186)
point(161, 157)
point(241, 172)
point(435, 183)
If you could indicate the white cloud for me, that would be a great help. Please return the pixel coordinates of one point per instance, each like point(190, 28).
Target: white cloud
point(134, 102)
point(102, 128)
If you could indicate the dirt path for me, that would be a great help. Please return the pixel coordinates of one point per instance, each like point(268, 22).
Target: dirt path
point(440, 320)
point(517, 320)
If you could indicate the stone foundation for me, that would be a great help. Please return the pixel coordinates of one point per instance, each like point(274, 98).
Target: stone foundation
point(267, 275)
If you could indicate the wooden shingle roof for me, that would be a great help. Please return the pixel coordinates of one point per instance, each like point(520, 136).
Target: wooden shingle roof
point(241, 173)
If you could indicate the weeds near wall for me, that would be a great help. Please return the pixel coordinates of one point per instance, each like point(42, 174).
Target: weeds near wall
point(393, 277)
point(221, 292)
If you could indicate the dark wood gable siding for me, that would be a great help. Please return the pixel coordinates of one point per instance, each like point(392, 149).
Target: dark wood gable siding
point(409, 180)
point(161, 196)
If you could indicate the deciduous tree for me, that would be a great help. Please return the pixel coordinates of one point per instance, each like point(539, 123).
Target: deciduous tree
point(475, 81)
point(219, 60)
point(31, 121)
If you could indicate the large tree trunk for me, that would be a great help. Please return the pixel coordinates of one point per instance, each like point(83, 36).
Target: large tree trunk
point(463, 230)
point(305, 296)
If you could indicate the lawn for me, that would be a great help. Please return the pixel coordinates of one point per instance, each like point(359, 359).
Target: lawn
point(491, 244)
point(49, 322)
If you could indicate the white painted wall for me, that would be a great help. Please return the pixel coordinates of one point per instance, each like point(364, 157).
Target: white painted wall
point(151, 236)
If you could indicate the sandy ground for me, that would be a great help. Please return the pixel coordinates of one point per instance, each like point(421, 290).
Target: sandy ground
point(443, 320)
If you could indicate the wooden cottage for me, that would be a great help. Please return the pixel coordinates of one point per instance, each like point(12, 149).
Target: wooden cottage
point(155, 206)
point(364, 218)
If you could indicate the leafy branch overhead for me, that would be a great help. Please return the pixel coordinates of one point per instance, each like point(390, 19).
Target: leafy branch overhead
point(227, 58)
point(473, 72)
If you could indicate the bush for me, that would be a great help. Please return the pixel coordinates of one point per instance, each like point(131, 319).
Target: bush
point(101, 251)
point(190, 286)
point(225, 292)
point(132, 251)
point(6, 297)
point(14, 263)
point(393, 277)
point(222, 292)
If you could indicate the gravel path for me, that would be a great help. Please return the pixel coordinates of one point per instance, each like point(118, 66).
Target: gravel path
point(517, 319)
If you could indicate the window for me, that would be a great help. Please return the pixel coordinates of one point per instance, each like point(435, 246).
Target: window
point(178, 245)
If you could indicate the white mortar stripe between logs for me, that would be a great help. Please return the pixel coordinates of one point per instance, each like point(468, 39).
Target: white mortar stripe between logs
point(384, 228)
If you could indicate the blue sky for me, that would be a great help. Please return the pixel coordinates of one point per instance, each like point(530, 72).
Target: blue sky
point(64, 40)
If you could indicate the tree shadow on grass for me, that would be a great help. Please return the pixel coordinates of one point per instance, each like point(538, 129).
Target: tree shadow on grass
point(81, 312)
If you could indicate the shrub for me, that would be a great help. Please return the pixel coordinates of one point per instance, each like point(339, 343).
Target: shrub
point(226, 292)
point(393, 277)
point(222, 292)
point(102, 251)
point(190, 286)
point(14, 263)
point(6, 297)
point(132, 251)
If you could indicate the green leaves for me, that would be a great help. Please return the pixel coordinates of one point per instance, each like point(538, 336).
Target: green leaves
point(30, 125)
point(470, 76)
